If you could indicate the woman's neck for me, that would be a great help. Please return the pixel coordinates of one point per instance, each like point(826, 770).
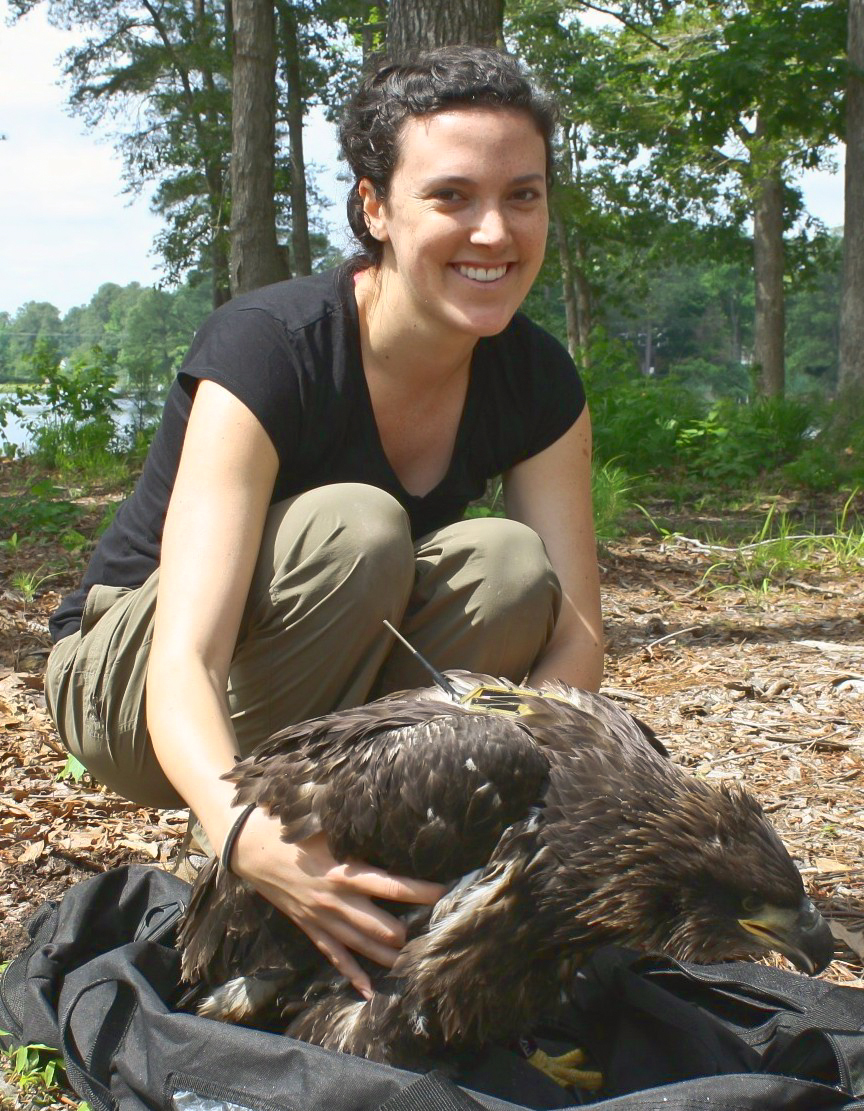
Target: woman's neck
point(395, 342)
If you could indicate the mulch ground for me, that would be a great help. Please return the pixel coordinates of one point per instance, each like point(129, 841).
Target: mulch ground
point(759, 685)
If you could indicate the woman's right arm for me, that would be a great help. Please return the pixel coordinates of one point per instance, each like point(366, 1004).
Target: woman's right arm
point(210, 546)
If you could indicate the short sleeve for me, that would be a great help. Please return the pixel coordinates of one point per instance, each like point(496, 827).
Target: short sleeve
point(248, 352)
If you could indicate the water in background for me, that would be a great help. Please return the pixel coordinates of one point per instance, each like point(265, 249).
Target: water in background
point(125, 417)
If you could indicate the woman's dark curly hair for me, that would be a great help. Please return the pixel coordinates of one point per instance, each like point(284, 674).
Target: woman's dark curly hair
point(435, 81)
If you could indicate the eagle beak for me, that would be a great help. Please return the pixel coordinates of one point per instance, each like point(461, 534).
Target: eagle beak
point(801, 934)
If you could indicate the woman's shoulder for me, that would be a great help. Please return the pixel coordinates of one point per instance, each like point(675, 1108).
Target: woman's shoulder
point(294, 304)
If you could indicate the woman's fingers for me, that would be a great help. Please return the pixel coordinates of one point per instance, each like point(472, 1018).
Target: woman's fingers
point(332, 903)
point(351, 919)
point(340, 958)
point(381, 885)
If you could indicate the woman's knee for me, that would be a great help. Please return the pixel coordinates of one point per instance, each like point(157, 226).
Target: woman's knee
point(346, 541)
point(513, 572)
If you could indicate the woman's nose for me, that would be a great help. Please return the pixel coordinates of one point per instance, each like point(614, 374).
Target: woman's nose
point(492, 228)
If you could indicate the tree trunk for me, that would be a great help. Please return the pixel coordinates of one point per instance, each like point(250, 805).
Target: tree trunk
point(220, 282)
point(584, 301)
point(568, 288)
point(299, 208)
point(215, 173)
point(424, 24)
point(852, 303)
point(735, 344)
point(768, 264)
point(256, 258)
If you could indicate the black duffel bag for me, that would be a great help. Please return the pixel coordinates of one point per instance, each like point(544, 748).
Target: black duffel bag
point(100, 981)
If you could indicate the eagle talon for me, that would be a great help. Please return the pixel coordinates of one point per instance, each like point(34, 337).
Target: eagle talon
point(566, 1069)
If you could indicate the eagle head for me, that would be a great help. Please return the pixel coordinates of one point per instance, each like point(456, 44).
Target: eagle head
point(651, 857)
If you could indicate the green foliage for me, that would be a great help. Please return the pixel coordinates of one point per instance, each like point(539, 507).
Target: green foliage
point(813, 325)
point(69, 414)
point(38, 1067)
point(611, 488)
point(671, 427)
point(833, 459)
point(491, 504)
point(159, 76)
point(27, 583)
point(151, 351)
point(637, 420)
point(734, 443)
point(38, 510)
point(35, 326)
point(38, 1071)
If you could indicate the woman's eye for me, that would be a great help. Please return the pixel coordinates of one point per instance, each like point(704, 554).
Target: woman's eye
point(525, 195)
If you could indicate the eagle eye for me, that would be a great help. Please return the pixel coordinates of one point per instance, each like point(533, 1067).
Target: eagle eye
point(752, 903)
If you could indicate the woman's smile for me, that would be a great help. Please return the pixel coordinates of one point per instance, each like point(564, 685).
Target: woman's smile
point(480, 272)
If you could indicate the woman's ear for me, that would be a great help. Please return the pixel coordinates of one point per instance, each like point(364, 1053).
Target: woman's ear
point(373, 210)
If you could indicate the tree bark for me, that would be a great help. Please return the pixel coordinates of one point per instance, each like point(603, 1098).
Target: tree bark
point(568, 288)
point(215, 173)
point(299, 207)
point(768, 264)
point(220, 285)
point(424, 24)
point(574, 281)
point(584, 299)
point(256, 258)
point(852, 302)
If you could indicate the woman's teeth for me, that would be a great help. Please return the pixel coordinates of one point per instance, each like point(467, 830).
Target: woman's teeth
point(480, 274)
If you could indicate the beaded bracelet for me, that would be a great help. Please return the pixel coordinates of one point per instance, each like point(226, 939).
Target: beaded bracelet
point(233, 833)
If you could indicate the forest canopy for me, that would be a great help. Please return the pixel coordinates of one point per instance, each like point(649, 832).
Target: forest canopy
point(683, 269)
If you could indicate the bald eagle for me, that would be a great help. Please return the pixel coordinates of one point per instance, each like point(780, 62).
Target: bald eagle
point(560, 824)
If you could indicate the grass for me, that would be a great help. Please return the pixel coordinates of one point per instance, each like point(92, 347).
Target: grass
point(37, 1067)
point(780, 550)
point(39, 1073)
point(27, 583)
point(611, 488)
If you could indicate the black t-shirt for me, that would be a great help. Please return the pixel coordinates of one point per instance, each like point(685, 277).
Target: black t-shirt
point(291, 353)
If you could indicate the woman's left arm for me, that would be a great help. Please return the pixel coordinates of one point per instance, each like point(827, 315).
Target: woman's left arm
point(551, 493)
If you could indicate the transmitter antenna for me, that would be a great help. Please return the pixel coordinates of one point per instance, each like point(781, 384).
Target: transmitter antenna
point(442, 681)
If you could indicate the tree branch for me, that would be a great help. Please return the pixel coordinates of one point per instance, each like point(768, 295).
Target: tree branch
point(629, 24)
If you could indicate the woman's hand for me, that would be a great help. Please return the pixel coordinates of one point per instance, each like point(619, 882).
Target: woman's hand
point(330, 902)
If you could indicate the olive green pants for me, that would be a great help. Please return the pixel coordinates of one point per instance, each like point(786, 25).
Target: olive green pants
point(333, 564)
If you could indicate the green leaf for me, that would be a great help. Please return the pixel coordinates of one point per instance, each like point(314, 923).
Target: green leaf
point(72, 769)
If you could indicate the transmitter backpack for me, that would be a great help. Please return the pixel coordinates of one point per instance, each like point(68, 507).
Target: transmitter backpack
point(100, 982)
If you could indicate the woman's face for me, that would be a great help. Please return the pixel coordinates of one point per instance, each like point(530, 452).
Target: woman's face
point(465, 219)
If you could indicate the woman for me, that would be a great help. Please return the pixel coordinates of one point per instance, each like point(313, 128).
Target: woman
point(308, 481)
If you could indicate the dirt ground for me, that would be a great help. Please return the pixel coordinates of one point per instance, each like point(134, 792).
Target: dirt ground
point(760, 686)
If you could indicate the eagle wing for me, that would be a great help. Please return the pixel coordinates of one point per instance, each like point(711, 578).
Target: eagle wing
point(417, 788)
